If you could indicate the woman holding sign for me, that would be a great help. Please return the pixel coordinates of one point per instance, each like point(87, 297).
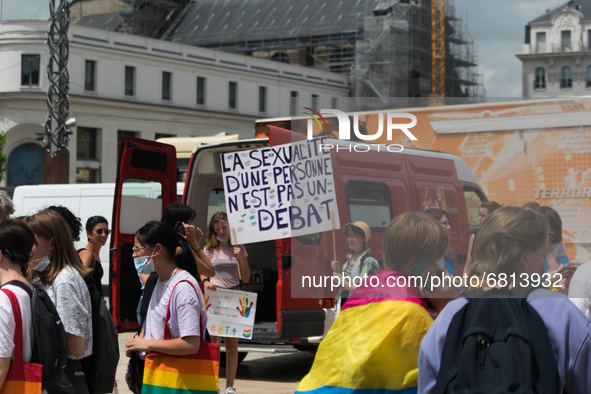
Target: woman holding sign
point(231, 266)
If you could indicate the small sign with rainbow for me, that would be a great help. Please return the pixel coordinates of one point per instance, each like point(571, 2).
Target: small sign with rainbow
point(230, 313)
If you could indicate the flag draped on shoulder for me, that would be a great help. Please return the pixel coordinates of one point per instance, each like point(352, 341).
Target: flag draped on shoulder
point(373, 347)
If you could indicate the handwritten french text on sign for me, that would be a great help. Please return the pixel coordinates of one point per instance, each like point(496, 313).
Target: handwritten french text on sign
point(279, 192)
point(230, 313)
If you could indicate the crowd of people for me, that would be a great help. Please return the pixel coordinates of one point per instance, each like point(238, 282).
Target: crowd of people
point(497, 337)
point(486, 338)
point(37, 254)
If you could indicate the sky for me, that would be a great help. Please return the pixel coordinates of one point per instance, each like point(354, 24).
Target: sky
point(497, 27)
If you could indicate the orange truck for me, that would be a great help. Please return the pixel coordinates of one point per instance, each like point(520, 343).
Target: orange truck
point(520, 151)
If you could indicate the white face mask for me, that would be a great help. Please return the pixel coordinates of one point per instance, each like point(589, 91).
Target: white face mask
point(43, 261)
point(144, 264)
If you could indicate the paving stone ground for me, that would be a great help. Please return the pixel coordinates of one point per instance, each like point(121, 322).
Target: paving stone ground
point(259, 373)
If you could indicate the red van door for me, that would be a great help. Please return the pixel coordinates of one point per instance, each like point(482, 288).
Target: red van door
point(146, 185)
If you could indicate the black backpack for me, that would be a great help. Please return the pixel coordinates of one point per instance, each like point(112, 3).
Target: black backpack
point(50, 347)
point(497, 345)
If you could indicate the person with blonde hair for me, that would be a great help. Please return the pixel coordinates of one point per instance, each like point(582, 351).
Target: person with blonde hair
point(511, 241)
point(6, 206)
point(373, 346)
point(56, 267)
point(227, 259)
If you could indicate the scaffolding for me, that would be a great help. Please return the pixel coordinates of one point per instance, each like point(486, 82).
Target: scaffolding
point(151, 18)
point(384, 45)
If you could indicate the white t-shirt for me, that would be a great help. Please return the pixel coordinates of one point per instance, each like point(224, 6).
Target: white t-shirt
point(7, 324)
point(72, 301)
point(185, 307)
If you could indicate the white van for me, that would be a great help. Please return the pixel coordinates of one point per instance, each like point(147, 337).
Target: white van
point(84, 200)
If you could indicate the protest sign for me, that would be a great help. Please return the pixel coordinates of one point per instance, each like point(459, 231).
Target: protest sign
point(279, 192)
point(230, 313)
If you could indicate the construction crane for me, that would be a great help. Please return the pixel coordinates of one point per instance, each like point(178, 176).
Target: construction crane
point(438, 48)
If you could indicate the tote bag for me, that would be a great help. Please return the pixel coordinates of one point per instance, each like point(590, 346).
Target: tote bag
point(193, 373)
point(22, 377)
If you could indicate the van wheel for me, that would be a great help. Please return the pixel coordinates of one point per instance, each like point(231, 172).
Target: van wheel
point(241, 357)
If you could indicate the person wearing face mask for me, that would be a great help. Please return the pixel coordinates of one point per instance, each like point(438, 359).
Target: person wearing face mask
point(513, 241)
point(226, 260)
point(97, 232)
point(56, 267)
point(155, 249)
point(359, 262)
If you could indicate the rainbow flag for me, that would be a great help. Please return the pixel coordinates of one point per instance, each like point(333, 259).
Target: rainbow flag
point(373, 347)
point(191, 374)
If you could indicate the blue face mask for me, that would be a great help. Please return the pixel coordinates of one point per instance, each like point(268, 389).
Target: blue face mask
point(144, 264)
point(222, 240)
point(44, 261)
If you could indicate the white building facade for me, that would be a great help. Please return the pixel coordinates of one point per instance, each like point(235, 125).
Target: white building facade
point(124, 85)
point(556, 58)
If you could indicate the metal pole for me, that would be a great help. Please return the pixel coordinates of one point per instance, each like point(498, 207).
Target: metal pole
point(57, 132)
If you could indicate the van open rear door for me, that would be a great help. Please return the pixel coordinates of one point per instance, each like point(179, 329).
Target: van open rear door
point(146, 185)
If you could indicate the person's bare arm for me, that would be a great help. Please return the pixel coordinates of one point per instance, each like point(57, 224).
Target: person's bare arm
point(4, 367)
point(76, 345)
point(86, 257)
point(204, 266)
point(174, 347)
point(242, 264)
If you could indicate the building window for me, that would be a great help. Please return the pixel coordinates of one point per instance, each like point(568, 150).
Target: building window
point(86, 143)
point(232, 95)
point(566, 80)
point(122, 134)
point(315, 102)
point(87, 169)
point(540, 81)
point(129, 81)
point(200, 91)
point(565, 42)
point(589, 76)
point(166, 88)
point(90, 76)
point(541, 42)
point(293, 104)
point(30, 70)
point(157, 136)
point(262, 99)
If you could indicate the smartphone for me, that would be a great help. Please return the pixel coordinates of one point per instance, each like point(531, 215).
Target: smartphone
point(180, 228)
point(568, 271)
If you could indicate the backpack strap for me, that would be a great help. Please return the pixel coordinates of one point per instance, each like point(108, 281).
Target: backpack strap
point(21, 285)
point(18, 323)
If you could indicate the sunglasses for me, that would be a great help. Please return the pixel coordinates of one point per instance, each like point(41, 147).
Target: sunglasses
point(100, 231)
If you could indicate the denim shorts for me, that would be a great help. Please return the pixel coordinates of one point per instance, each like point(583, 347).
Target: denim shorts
point(237, 287)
